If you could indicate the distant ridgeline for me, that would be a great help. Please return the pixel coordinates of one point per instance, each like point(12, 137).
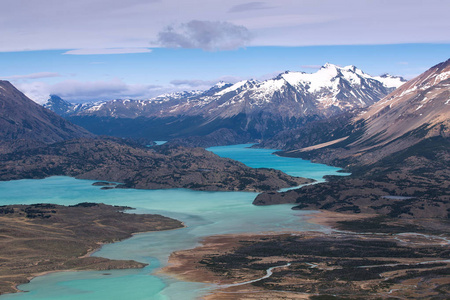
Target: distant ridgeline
point(255, 110)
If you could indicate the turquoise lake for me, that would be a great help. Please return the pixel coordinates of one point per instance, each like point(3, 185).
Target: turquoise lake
point(204, 214)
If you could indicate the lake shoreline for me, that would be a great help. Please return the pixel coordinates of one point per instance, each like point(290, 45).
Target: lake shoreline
point(198, 264)
point(51, 235)
point(173, 202)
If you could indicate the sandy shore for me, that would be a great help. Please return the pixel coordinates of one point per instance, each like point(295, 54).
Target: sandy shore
point(331, 218)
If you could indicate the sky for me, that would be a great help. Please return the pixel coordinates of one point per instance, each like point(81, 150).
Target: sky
point(90, 50)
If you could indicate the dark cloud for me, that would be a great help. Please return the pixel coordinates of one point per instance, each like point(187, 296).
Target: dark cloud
point(249, 6)
point(206, 35)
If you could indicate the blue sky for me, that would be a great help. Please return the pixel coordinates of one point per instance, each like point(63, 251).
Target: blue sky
point(105, 49)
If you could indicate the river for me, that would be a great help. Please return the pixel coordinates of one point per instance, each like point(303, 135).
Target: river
point(204, 214)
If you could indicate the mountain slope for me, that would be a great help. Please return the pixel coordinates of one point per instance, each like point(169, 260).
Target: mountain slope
point(400, 146)
point(423, 101)
point(34, 145)
point(417, 110)
point(21, 118)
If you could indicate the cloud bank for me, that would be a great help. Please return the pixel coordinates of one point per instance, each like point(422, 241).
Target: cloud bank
point(206, 35)
point(133, 24)
point(87, 91)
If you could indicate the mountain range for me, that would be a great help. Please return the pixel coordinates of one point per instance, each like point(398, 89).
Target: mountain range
point(399, 146)
point(418, 110)
point(260, 109)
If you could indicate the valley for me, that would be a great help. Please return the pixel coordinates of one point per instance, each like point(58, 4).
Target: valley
point(184, 150)
point(389, 218)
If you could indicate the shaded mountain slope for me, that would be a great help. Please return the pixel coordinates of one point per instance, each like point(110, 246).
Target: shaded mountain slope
point(21, 118)
point(35, 147)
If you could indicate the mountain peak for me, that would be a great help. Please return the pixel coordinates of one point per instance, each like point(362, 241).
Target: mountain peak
point(220, 84)
point(351, 68)
point(330, 66)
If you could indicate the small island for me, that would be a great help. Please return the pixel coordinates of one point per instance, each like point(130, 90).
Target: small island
point(41, 238)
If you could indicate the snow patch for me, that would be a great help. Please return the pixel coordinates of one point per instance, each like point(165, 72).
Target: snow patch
point(390, 81)
point(443, 76)
point(232, 88)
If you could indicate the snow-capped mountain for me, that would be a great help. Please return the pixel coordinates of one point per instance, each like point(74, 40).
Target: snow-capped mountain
point(291, 94)
point(330, 90)
point(65, 108)
point(418, 110)
point(286, 101)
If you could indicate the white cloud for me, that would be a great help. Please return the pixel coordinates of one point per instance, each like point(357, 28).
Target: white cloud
point(194, 83)
point(108, 51)
point(206, 35)
point(85, 91)
point(33, 76)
